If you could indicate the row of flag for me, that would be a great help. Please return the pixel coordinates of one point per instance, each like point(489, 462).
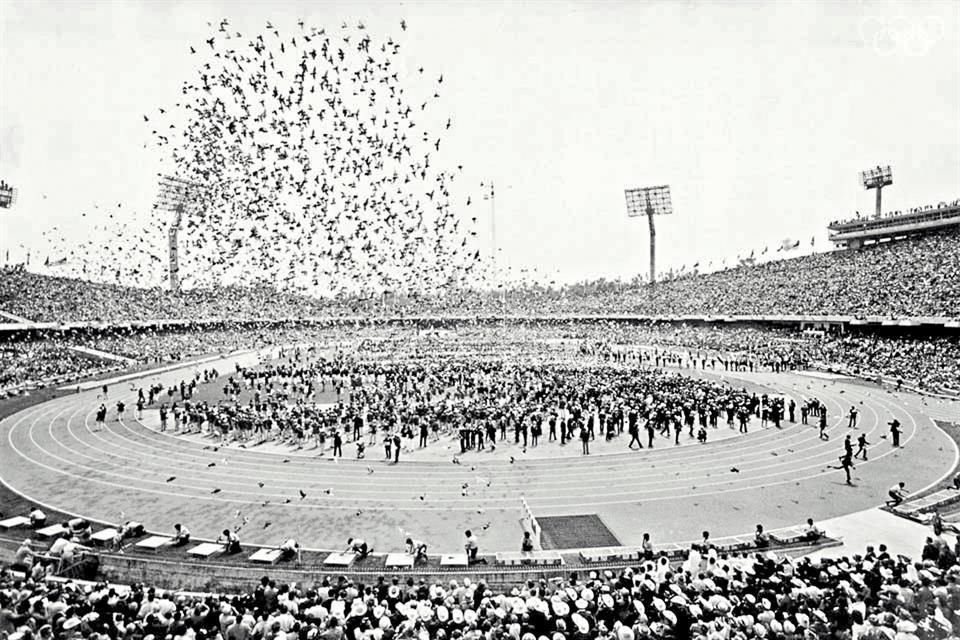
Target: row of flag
point(788, 244)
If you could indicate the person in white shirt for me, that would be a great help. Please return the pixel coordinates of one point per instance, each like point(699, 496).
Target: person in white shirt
point(897, 493)
point(811, 532)
point(181, 535)
point(417, 549)
point(289, 549)
point(23, 558)
point(472, 547)
point(37, 518)
point(230, 542)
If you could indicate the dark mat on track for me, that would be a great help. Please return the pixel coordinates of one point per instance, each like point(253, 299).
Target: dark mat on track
point(571, 532)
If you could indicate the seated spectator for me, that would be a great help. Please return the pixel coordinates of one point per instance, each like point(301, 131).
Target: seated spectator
point(526, 545)
point(289, 549)
point(417, 549)
point(811, 532)
point(230, 542)
point(181, 535)
point(23, 558)
point(359, 547)
point(80, 529)
point(38, 519)
point(761, 538)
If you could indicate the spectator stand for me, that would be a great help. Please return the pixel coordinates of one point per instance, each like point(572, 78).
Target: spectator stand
point(172, 567)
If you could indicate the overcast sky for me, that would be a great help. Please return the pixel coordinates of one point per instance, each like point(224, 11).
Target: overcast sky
point(759, 115)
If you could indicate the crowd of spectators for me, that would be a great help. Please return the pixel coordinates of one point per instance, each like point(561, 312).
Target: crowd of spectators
point(24, 365)
point(897, 213)
point(931, 363)
point(710, 596)
point(907, 278)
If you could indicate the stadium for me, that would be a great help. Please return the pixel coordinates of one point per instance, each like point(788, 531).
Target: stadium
point(274, 410)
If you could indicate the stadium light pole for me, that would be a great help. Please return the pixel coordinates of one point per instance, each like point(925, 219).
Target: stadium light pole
point(650, 202)
point(174, 197)
point(492, 197)
point(877, 178)
point(8, 195)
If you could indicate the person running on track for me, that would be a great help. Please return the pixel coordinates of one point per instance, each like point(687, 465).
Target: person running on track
point(861, 446)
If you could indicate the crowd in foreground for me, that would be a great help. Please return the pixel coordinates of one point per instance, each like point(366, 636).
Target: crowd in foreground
point(710, 596)
point(908, 278)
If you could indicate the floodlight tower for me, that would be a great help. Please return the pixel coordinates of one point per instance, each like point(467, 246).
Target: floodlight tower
point(649, 201)
point(877, 178)
point(175, 196)
point(8, 195)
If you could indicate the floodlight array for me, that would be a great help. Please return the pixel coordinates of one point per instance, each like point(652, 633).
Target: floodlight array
point(648, 200)
point(877, 177)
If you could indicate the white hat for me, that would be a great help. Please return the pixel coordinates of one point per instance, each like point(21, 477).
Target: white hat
point(582, 625)
point(72, 623)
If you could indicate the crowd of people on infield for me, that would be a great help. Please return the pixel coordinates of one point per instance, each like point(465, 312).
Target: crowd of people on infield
point(407, 404)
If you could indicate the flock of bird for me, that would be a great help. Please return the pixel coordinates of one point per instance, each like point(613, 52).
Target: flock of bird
point(303, 161)
point(306, 163)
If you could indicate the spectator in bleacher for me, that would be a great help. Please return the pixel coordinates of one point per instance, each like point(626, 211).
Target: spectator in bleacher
point(417, 549)
point(811, 532)
point(761, 538)
point(289, 549)
point(23, 557)
point(526, 545)
point(181, 535)
point(38, 519)
point(359, 547)
point(230, 542)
